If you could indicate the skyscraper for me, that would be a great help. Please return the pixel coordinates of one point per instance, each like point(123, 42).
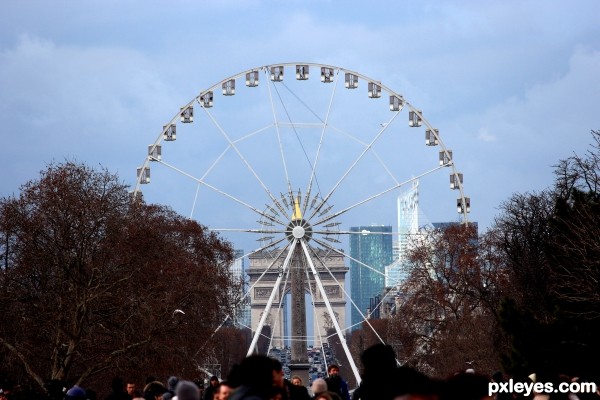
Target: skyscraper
point(370, 252)
point(408, 224)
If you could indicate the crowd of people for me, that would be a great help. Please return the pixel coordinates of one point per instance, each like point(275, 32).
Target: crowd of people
point(259, 377)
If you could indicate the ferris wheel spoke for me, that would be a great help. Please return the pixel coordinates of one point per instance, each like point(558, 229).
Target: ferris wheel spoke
point(279, 306)
point(329, 309)
point(247, 294)
point(347, 295)
point(323, 130)
point(373, 197)
point(262, 275)
point(331, 248)
point(356, 161)
point(315, 316)
point(241, 156)
point(373, 151)
point(220, 158)
point(261, 323)
point(278, 134)
point(249, 230)
point(323, 125)
point(223, 193)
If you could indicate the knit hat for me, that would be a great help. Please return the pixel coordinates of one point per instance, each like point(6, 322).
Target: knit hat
point(75, 393)
point(172, 382)
point(318, 386)
point(187, 390)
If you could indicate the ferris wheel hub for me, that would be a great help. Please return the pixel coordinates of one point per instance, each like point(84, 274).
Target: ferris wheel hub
point(298, 232)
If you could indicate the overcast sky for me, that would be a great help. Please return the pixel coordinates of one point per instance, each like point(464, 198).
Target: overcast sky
point(513, 85)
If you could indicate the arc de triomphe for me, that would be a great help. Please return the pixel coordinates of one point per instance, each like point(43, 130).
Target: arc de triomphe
point(259, 296)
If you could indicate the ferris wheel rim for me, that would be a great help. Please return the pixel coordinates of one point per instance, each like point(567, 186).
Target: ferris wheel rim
point(295, 233)
point(462, 197)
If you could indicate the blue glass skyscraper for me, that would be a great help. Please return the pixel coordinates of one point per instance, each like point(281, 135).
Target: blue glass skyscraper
point(371, 246)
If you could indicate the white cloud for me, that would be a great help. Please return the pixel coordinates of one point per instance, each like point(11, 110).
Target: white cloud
point(515, 144)
point(61, 101)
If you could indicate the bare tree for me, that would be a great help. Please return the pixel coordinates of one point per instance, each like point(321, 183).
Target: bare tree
point(94, 284)
point(551, 244)
point(453, 289)
point(575, 255)
point(525, 234)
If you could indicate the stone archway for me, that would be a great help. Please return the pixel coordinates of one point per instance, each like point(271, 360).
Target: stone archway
point(260, 262)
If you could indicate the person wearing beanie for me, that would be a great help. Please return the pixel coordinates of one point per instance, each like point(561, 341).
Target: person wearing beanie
point(75, 393)
point(171, 385)
point(318, 386)
point(154, 390)
point(187, 390)
point(209, 393)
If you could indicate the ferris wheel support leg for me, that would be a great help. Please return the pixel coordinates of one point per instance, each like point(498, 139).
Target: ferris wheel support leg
point(263, 318)
point(331, 313)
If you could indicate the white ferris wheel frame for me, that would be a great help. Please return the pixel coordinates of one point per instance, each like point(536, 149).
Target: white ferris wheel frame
point(328, 72)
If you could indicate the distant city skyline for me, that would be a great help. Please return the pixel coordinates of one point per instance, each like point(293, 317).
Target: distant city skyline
point(370, 251)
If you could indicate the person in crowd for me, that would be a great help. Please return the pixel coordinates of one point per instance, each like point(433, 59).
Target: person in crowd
point(224, 390)
point(252, 378)
point(209, 393)
point(335, 383)
point(154, 391)
point(296, 380)
point(187, 390)
point(278, 393)
point(290, 391)
point(137, 395)
point(118, 390)
point(379, 364)
point(318, 386)
point(324, 396)
point(75, 393)
point(498, 377)
point(130, 388)
point(171, 385)
point(409, 384)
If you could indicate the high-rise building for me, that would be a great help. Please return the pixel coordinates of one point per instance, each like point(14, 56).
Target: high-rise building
point(408, 225)
point(408, 216)
point(370, 251)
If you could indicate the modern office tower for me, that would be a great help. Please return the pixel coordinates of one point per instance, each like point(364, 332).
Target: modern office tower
point(408, 216)
point(370, 251)
point(408, 225)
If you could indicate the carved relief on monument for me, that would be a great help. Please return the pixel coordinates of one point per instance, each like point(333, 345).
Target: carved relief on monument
point(262, 293)
point(333, 291)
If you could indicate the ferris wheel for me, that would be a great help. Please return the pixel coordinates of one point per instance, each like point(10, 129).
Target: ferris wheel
point(283, 159)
